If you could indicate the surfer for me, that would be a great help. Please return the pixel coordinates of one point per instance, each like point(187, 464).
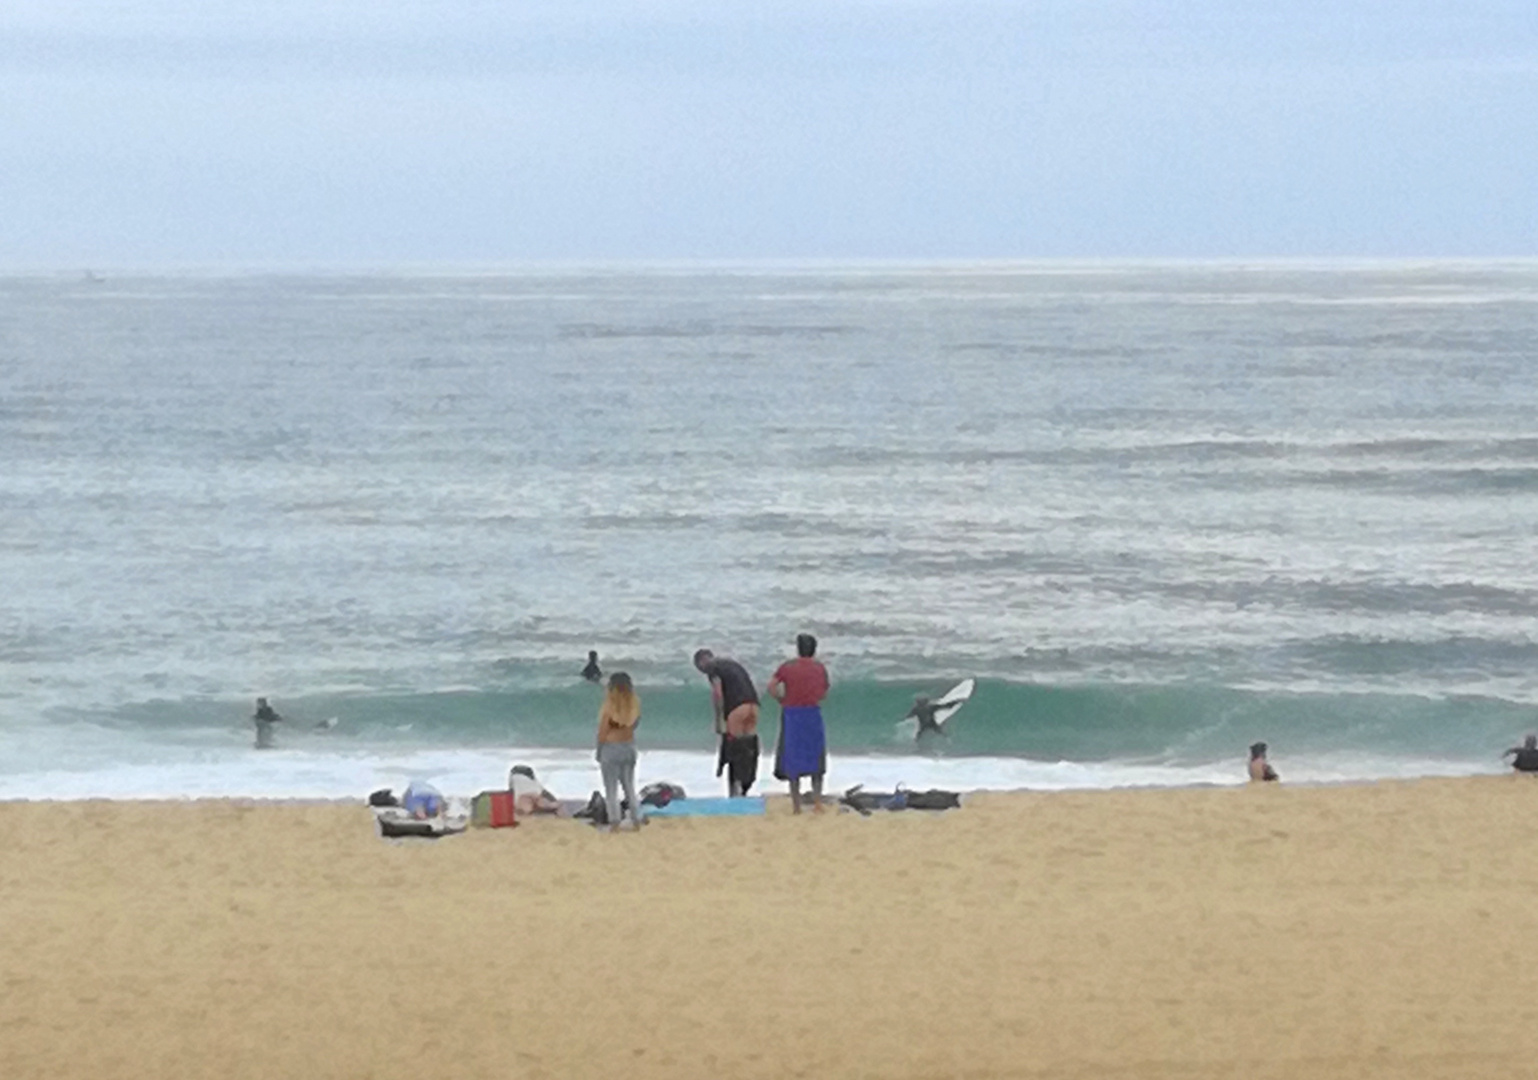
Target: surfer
point(1260, 768)
point(266, 716)
point(799, 686)
point(1524, 758)
point(924, 712)
point(735, 703)
point(592, 673)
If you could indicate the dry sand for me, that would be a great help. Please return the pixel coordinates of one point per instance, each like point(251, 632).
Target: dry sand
point(1381, 930)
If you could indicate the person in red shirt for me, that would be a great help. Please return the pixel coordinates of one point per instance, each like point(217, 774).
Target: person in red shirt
point(799, 686)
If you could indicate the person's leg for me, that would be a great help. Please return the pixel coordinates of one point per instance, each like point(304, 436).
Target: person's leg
point(733, 754)
point(610, 791)
point(627, 778)
point(817, 793)
point(749, 761)
point(795, 794)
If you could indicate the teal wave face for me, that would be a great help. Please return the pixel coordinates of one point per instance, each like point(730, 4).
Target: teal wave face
point(1091, 723)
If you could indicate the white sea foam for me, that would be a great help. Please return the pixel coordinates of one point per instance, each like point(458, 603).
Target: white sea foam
point(294, 774)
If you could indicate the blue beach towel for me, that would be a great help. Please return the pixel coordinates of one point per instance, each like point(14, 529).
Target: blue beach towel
point(708, 808)
point(803, 749)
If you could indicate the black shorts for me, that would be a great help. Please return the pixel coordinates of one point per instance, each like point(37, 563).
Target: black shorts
point(739, 759)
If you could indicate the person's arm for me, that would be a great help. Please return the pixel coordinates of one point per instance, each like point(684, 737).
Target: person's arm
point(776, 687)
point(717, 703)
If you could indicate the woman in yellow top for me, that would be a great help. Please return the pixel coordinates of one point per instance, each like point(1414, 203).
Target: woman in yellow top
point(617, 721)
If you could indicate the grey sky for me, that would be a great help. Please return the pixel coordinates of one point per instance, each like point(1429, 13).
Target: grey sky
point(158, 132)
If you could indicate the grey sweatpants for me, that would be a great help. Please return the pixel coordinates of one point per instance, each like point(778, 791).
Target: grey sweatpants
point(616, 761)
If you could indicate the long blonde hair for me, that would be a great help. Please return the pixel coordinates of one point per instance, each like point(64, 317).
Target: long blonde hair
point(621, 705)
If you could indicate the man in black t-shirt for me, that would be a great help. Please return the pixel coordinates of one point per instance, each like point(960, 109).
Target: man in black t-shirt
point(736, 714)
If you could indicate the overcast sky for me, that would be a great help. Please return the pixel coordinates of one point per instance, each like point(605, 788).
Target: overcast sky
point(307, 132)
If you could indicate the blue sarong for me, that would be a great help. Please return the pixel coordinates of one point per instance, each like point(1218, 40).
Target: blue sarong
point(803, 743)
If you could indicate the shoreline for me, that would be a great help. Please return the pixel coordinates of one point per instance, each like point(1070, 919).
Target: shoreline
point(1345, 930)
point(776, 789)
point(342, 775)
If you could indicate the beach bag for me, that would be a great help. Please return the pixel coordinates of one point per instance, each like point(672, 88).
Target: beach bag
point(503, 814)
point(596, 810)
point(933, 799)
point(660, 794)
point(382, 797)
point(493, 810)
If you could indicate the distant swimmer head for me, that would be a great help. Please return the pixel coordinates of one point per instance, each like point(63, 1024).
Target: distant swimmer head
point(921, 699)
point(1530, 743)
point(261, 702)
point(702, 658)
point(592, 656)
point(521, 770)
point(1257, 750)
point(806, 645)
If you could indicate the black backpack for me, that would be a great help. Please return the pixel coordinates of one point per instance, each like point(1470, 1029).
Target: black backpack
point(596, 810)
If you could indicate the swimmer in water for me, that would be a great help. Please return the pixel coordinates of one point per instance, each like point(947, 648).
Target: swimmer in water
point(266, 716)
point(592, 673)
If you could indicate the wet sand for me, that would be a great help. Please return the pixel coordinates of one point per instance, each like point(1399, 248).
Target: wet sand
point(1376, 930)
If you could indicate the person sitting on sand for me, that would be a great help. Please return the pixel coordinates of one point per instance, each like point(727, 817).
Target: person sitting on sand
point(265, 717)
point(1260, 768)
point(529, 795)
point(1524, 758)
point(592, 673)
point(924, 712)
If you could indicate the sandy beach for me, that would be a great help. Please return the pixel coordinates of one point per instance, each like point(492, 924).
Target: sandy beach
point(1376, 930)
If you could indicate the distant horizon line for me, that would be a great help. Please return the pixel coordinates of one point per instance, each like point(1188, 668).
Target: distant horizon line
point(447, 267)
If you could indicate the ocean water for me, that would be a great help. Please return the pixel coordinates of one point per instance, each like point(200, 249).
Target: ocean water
point(1159, 511)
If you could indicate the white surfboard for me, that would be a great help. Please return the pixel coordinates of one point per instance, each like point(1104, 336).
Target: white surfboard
point(953, 699)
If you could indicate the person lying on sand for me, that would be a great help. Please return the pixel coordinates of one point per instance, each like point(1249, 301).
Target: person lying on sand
point(423, 801)
point(1524, 758)
point(529, 795)
point(1260, 768)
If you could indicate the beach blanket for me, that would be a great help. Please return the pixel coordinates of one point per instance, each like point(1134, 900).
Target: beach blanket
point(396, 822)
point(721, 807)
